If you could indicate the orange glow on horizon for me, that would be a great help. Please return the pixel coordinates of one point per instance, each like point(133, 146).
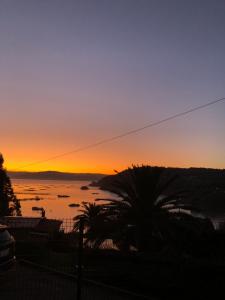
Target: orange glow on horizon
point(107, 167)
point(158, 150)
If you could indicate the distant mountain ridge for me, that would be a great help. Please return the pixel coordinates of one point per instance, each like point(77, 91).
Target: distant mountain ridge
point(54, 175)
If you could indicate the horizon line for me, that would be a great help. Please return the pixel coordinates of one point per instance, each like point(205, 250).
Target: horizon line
point(114, 172)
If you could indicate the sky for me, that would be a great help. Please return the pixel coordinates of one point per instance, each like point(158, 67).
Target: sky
point(73, 72)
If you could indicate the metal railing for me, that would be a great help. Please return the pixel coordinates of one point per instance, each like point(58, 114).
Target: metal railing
point(44, 271)
point(30, 281)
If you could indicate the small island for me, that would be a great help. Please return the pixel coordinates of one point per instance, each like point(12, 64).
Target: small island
point(36, 208)
point(84, 188)
point(74, 205)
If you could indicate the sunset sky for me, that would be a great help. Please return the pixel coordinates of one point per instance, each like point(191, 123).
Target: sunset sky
point(76, 72)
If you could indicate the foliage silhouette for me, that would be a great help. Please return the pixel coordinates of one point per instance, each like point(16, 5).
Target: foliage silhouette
point(94, 218)
point(142, 215)
point(9, 204)
point(143, 210)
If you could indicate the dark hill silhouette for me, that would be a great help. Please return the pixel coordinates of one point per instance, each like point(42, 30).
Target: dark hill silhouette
point(54, 175)
point(204, 188)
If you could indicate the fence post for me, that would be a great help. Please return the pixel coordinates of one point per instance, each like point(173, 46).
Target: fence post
point(80, 260)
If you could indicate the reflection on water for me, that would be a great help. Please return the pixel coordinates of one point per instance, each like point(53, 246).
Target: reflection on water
point(44, 193)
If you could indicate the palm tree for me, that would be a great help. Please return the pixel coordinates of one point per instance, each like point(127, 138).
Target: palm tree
point(143, 209)
point(94, 221)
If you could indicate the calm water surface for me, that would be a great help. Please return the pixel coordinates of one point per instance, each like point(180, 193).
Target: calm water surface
point(48, 190)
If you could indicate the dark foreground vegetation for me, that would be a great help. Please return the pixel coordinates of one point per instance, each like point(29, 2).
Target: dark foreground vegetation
point(204, 188)
point(152, 237)
point(147, 215)
point(157, 224)
point(9, 204)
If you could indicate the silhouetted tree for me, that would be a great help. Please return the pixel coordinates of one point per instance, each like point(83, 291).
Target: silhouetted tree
point(94, 219)
point(143, 215)
point(143, 211)
point(9, 204)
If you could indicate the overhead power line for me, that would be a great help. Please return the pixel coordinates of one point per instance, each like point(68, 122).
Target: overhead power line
point(127, 133)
